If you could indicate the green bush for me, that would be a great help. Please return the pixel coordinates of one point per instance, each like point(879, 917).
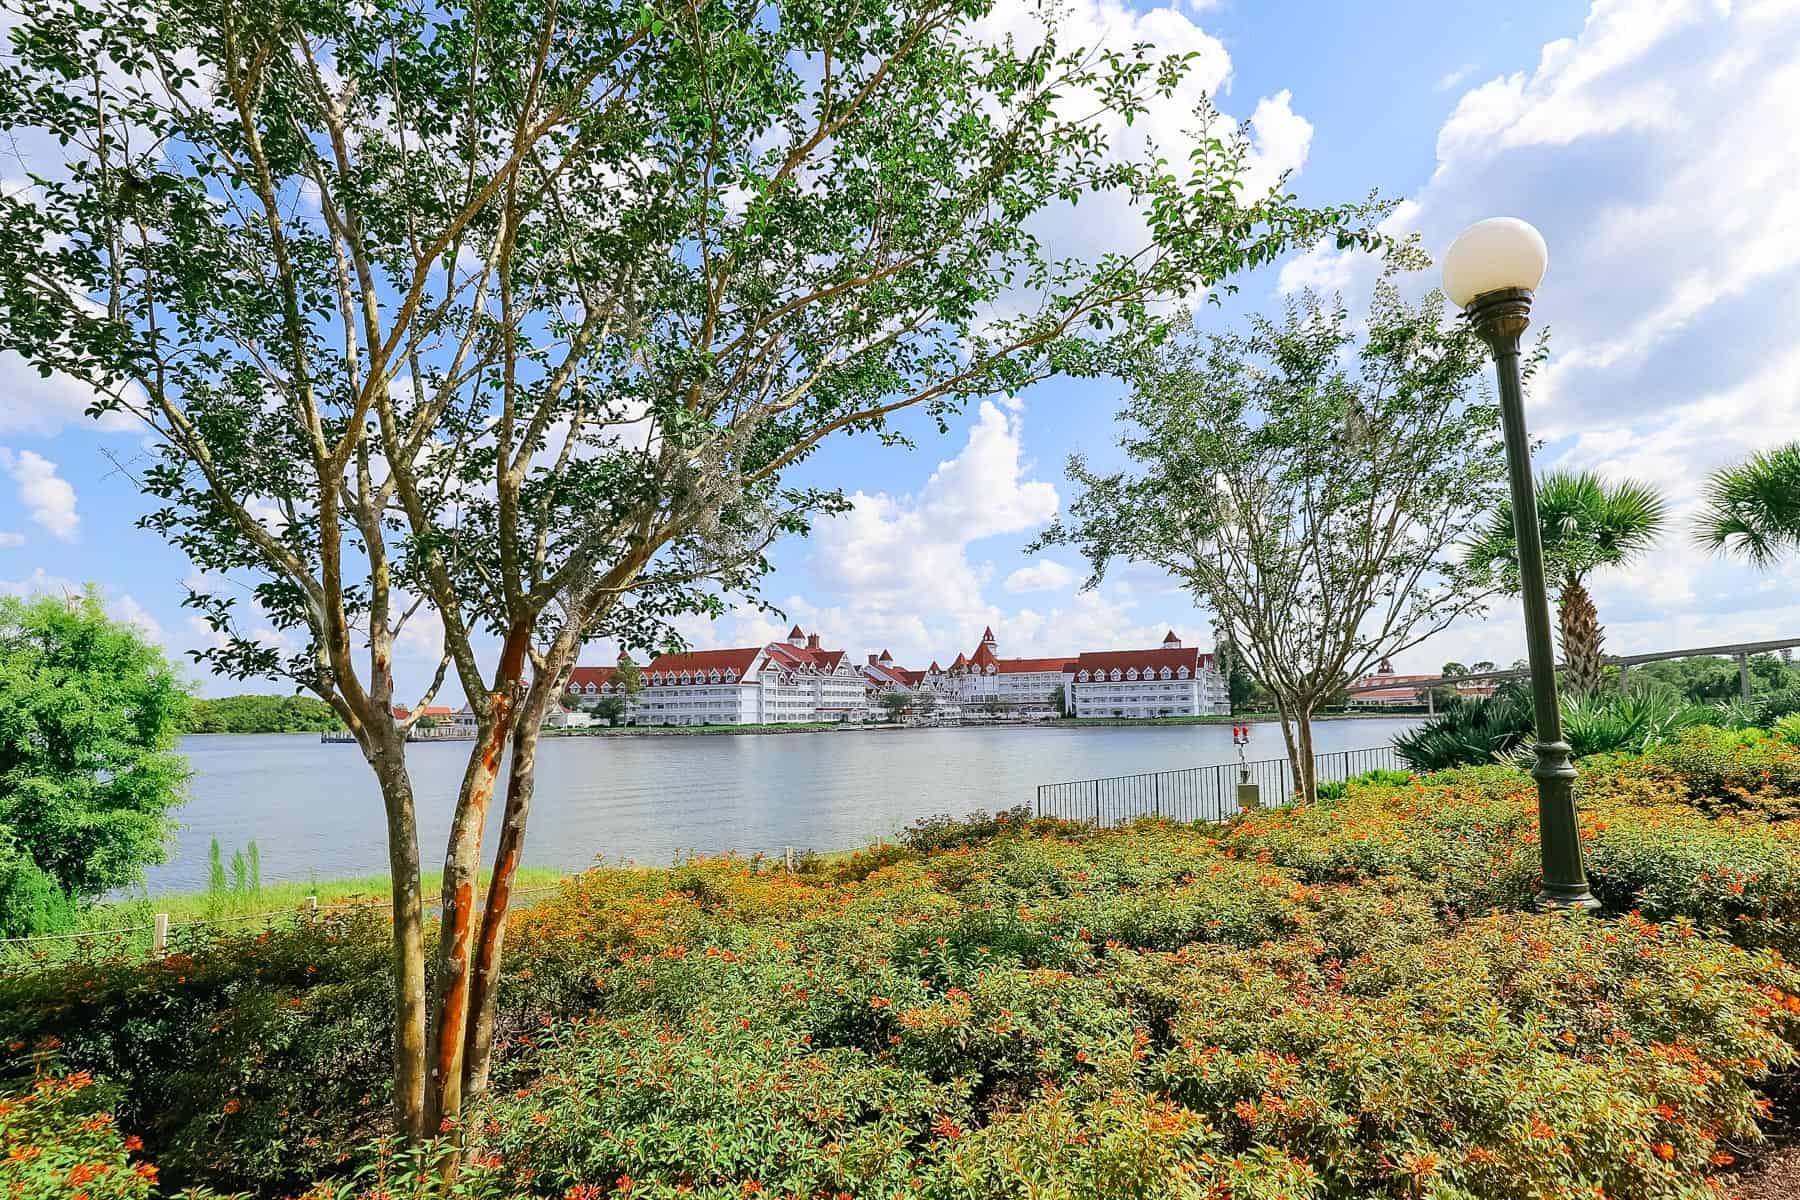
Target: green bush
point(1469, 731)
point(57, 1141)
point(1732, 769)
point(243, 1060)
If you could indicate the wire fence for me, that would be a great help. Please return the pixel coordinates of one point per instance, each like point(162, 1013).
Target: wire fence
point(1212, 794)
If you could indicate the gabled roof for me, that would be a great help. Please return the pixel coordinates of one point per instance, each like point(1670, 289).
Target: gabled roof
point(987, 635)
point(805, 656)
point(598, 676)
point(736, 661)
point(1170, 637)
point(796, 631)
point(1155, 660)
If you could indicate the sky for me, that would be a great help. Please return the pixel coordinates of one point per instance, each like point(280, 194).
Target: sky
point(1654, 142)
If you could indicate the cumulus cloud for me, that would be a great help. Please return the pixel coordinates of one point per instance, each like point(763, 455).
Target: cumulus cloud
point(1046, 575)
point(1279, 137)
point(1656, 149)
point(48, 497)
point(123, 608)
point(32, 404)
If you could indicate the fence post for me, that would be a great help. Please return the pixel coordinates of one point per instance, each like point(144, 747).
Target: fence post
point(1157, 779)
point(159, 938)
point(788, 855)
point(312, 906)
point(1096, 804)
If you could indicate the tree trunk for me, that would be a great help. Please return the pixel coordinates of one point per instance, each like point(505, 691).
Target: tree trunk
point(462, 867)
point(1307, 778)
point(521, 783)
point(1582, 637)
point(388, 758)
point(1283, 709)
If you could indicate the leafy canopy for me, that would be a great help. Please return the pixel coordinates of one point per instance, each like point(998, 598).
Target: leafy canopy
point(1752, 508)
point(89, 713)
point(1303, 482)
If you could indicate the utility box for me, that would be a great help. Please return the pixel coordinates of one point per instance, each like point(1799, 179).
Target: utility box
point(1249, 796)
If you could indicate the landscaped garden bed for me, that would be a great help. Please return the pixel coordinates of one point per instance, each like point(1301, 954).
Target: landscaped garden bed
point(1350, 1000)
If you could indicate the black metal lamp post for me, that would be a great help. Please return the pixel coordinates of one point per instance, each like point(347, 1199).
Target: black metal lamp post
point(1490, 271)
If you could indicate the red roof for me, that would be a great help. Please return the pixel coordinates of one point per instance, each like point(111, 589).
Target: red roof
point(736, 661)
point(1016, 666)
point(1170, 637)
point(431, 710)
point(1155, 660)
point(987, 635)
point(805, 656)
point(796, 631)
point(598, 676)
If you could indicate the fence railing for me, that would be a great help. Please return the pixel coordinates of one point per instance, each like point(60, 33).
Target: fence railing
point(1198, 793)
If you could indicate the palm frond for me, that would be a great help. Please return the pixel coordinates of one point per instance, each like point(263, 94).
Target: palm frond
point(1752, 509)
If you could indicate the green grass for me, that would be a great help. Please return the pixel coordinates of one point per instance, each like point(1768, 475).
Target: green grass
point(274, 897)
point(135, 916)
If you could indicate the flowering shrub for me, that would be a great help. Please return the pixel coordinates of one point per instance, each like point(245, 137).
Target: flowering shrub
point(1344, 1000)
point(1747, 769)
point(57, 1141)
point(243, 1060)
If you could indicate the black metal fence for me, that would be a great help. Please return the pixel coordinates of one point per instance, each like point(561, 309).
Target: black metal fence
point(1198, 793)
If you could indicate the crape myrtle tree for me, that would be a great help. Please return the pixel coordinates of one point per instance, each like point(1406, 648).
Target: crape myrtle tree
point(1304, 483)
point(509, 317)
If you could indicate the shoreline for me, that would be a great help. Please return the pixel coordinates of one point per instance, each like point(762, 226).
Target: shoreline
point(797, 727)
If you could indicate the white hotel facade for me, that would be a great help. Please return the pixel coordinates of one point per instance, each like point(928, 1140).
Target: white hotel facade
point(797, 680)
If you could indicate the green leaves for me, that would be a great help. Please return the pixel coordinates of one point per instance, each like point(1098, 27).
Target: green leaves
point(89, 713)
point(1753, 508)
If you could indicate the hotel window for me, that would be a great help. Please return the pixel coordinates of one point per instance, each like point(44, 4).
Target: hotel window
point(1182, 673)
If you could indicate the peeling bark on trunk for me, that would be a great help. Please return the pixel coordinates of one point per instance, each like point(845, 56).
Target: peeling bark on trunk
point(462, 866)
point(1307, 778)
point(1287, 738)
point(485, 972)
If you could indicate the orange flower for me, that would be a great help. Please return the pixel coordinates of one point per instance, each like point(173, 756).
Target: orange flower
point(134, 1142)
point(1664, 1151)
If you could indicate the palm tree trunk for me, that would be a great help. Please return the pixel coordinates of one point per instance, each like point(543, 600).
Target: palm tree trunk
point(1582, 637)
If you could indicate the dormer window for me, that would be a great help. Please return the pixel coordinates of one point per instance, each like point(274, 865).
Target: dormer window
point(1166, 673)
point(730, 675)
point(1116, 675)
point(1082, 678)
point(1182, 673)
point(1131, 673)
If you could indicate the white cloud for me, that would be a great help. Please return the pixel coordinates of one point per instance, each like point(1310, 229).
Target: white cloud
point(1047, 575)
point(1450, 79)
point(49, 497)
point(8, 538)
point(30, 403)
point(1280, 138)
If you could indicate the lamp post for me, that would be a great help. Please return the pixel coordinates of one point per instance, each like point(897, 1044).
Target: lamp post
point(1490, 272)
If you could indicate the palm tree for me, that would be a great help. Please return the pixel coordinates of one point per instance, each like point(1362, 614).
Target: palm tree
point(1753, 508)
point(1586, 523)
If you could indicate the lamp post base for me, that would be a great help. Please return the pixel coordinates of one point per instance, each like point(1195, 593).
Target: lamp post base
point(1579, 901)
point(1565, 879)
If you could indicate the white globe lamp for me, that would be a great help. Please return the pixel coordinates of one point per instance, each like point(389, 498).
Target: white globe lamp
point(1496, 255)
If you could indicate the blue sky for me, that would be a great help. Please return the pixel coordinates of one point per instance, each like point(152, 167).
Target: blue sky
point(1653, 143)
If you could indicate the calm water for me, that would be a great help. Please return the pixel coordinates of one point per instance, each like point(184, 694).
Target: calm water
point(315, 812)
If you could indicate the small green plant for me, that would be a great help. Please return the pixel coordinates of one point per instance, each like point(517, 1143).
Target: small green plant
point(215, 872)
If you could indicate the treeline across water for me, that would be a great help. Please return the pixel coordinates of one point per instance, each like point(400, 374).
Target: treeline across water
point(260, 714)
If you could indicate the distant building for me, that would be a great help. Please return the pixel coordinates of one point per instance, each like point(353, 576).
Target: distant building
point(1026, 687)
point(788, 681)
point(1170, 681)
point(1389, 690)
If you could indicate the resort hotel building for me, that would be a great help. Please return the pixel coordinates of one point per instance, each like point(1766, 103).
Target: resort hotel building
point(1171, 681)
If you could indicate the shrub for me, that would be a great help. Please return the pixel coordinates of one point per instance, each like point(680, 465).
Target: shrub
point(1747, 769)
point(245, 1060)
point(57, 1140)
point(1469, 731)
point(944, 832)
point(1776, 705)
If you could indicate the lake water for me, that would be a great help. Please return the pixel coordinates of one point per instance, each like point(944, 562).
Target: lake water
point(315, 812)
